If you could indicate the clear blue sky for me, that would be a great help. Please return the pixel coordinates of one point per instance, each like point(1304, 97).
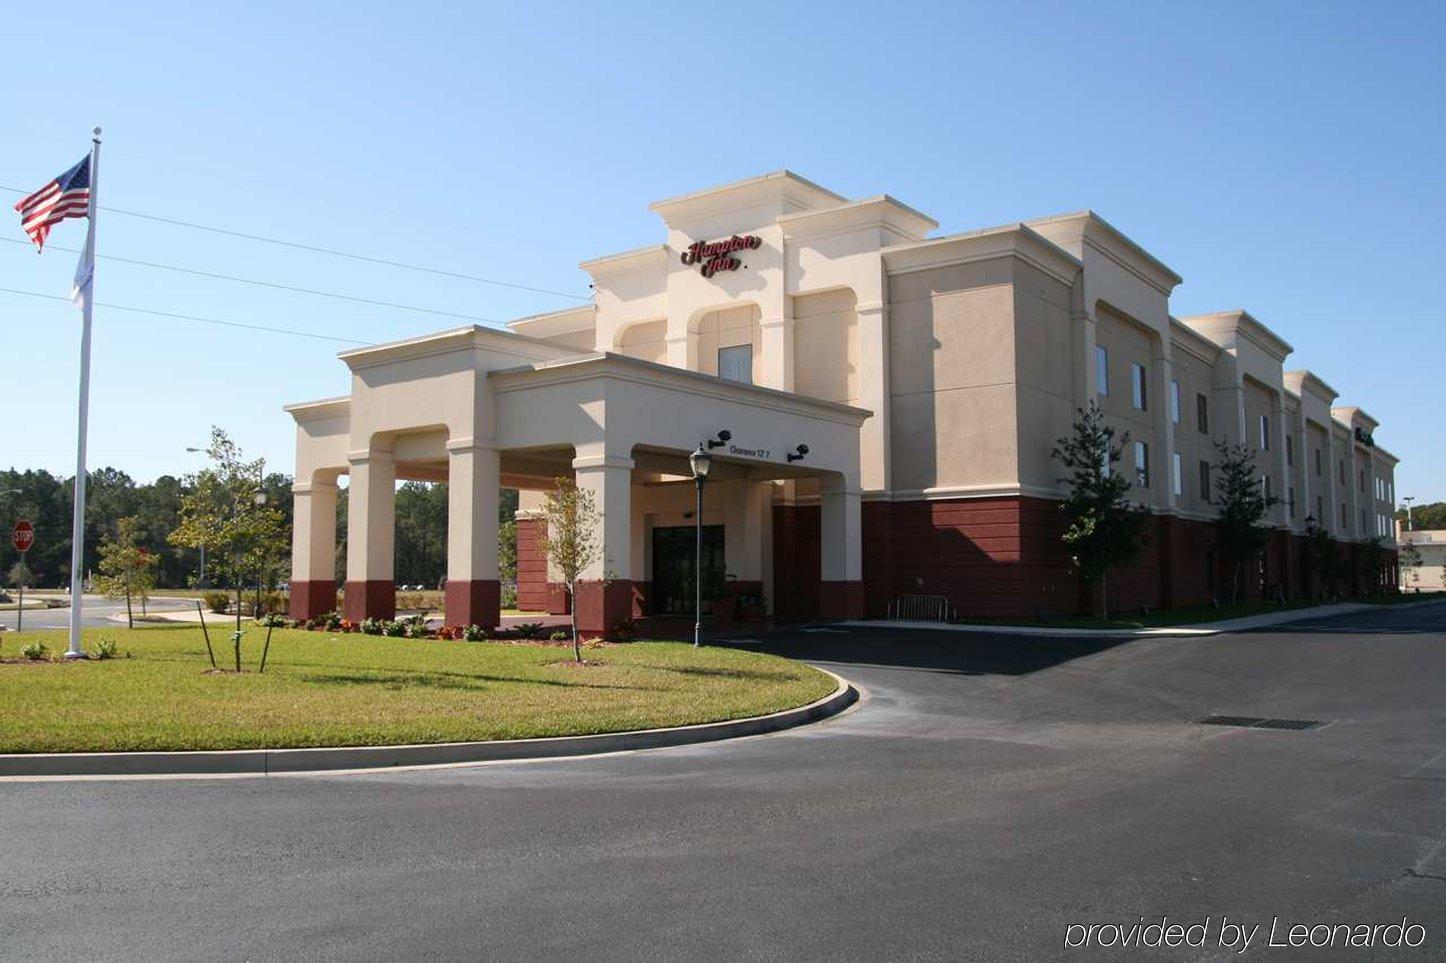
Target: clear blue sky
point(1284, 159)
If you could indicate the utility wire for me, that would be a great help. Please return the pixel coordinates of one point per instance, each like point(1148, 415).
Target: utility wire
point(191, 317)
point(270, 284)
point(326, 250)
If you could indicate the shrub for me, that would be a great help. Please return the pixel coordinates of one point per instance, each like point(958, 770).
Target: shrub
point(625, 630)
point(474, 633)
point(530, 630)
point(106, 649)
point(370, 626)
point(445, 633)
point(333, 621)
point(416, 626)
point(273, 621)
point(394, 629)
point(560, 636)
point(36, 651)
point(217, 602)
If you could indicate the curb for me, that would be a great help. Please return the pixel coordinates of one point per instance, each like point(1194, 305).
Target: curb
point(265, 762)
point(1197, 630)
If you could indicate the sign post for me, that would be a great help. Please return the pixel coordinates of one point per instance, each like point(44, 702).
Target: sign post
point(22, 536)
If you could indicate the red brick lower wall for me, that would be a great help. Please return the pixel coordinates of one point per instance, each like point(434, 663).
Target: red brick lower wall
point(1002, 557)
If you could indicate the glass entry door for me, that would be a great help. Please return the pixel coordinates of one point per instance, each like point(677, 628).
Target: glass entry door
point(673, 550)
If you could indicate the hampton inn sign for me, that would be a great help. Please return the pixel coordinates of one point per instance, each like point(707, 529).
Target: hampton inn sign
point(924, 378)
point(715, 256)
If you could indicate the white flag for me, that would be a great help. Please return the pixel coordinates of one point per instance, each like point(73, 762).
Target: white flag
point(85, 270)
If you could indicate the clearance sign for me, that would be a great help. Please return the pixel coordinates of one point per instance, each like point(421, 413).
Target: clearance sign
point(715, 256)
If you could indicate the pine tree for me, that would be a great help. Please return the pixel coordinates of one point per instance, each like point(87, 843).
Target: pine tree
point(1104, 529)
point(1240, 529)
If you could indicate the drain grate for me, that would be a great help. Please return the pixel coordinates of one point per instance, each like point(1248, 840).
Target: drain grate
point(1258, 722)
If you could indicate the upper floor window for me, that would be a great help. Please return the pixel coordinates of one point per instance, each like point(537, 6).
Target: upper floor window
point(1175, 402)
point(1341, 471)
point(1204, 481)
point(1320, 510)
point(1317, 462)
point(1177, 484)
point(1265, 433)
point(1202, 414)
point(1289, 450)
point(1102, 370)
point(1137, 386)
point(736, 364)
point(1361, 482)
point(1142, 464)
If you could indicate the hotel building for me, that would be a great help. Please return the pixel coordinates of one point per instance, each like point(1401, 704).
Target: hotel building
point(890, 399)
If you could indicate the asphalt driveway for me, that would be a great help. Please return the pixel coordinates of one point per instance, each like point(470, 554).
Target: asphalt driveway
point(986, 794)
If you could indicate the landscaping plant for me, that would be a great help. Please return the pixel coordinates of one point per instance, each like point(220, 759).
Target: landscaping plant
point(1104, 528)
point(1240, 529)
point(571, 542)
point(126, 569)
point(36, 651)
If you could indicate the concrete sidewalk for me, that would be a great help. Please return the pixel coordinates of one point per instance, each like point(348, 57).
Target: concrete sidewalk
point(1243, 624)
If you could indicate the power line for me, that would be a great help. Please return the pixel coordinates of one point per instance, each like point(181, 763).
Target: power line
point(326, 250)
point(192, 317)
point(271, 284)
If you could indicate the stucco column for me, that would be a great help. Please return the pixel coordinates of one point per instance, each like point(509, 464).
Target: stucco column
point(604, 590)
point(1278, 466)
point(841, 589)
point(313, 549)
point(370, 534)
point(1082, 344)
point(775, 336)
point(1163, 375)
point(474, 595)
point(682, 350)
point(873, 332)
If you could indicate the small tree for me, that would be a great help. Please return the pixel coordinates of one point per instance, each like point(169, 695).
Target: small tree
point(126, 569)
point(1373, 556)
point(1411, 564)
point(1104, 528)
point(1240, 529)
point(571, 543)
point(227, 511)
point(1320, 554)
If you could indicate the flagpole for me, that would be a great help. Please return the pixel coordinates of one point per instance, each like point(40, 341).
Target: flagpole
point(77, 527)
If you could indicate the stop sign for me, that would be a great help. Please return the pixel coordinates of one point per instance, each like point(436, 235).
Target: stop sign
point(22, 536)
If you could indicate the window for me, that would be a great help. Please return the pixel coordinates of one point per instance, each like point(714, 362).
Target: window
point(1175, 402)
point(1205, 481)
point(1142, 464)
point(1361, 482)
point(1289, 450)
point(1202, 414)
point(1344, 523)
point(1363, 521)
point(1137, 386)
point(1177, 483)
point(736, 364)
point(1341, 471)
point(1290, 502)
point(1102, 370)
point(1265, 486)
point(1320, 510)
point(1317, 462)
point(1265, 433)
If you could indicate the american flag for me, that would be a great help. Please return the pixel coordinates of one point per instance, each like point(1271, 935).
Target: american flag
point(66, 196)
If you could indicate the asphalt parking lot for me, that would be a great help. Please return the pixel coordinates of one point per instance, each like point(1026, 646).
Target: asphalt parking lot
point(986, 794)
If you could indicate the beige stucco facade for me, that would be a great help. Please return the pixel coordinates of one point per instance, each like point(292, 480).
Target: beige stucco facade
point(917, 370)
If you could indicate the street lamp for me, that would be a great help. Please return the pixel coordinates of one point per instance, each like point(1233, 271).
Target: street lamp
point(701, 462)
point(1408, 499)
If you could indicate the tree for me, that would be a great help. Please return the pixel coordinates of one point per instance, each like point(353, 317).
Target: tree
point(1373, 555)
point(1410, 559)
point(228, 511)
point(1240, 529)
point(126, 568)
point(1426, 517)
point(1104, 528)
point(1322, 560)
point(571, 542)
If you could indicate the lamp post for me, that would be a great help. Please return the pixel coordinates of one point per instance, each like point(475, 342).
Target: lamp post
point(202, 580)
point(1408, 499)
point(701, 462)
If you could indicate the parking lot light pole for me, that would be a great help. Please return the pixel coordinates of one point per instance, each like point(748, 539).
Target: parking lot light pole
point(700, 461)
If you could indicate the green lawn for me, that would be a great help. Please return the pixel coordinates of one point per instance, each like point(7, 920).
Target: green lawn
point(325, 689)
point(1190, 615)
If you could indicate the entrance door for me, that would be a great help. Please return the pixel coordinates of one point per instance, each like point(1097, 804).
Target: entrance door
point(673, 551)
